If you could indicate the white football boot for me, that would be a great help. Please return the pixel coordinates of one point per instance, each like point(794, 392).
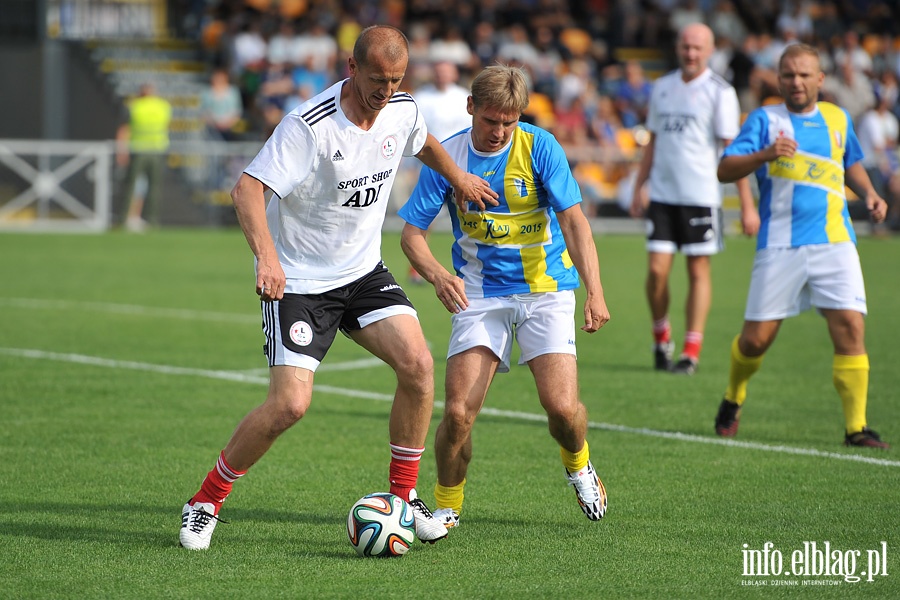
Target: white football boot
point(197, 523)
point(590, 492)
point(428, 529)
point(447, 516)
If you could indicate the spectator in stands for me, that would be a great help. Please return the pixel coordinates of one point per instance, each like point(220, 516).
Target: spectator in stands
point(221, 106)
point(745, 75)
point(280, 49)
point(633, 96)
point(571, 123)
point(419, 70)
point(854, 55)
point(850, 89)
point(443, 102)
point(827, 24)
point(878, 132)
point(517, 48)
point(275, 90)
point(685, 13)
point(794, 16)
point(547, 67)
point(575, 81)
point(310, 75)
point(451, 47)
point(726, 22)
point(317, 51)
point(606, 125)
point(249, 49)
point(484, 43)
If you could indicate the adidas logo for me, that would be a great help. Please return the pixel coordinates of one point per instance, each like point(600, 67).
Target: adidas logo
point(337, 156)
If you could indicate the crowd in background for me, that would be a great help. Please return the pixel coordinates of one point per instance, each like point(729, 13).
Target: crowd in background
point(591, 62)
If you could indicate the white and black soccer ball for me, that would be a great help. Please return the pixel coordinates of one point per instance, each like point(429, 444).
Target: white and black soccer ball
point(381, 524)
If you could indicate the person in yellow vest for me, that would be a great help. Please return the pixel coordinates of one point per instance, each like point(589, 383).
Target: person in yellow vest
point(142, 145)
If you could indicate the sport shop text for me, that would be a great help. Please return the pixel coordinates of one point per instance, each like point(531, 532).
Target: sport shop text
point(815, 560)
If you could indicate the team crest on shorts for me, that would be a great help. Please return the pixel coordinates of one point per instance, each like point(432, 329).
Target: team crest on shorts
point(389, 147)
point(301, 333)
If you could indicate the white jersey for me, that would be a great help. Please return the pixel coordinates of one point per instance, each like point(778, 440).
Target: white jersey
point(332, 181)
point(444, 111)
point(689, 121)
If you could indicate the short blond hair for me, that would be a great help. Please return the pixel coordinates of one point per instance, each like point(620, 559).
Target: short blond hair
point(502, 87)
point(798, 50)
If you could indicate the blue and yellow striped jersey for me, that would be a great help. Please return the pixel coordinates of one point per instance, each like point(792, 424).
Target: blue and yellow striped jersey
point(802, 198)
point(516, 247)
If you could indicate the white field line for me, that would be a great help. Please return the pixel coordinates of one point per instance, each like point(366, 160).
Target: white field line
point(516, 415)
point(131, 309)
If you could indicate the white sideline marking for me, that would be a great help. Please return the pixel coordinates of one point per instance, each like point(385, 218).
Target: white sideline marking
point(175, 313)
point(132, 309)
point(523, 416)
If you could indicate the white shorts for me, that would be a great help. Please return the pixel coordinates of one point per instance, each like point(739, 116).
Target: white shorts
point(787, 281)
point(542, 323)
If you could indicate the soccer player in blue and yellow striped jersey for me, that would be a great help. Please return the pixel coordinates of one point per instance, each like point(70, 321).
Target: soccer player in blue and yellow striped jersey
point(516, 267)
point(803, 153)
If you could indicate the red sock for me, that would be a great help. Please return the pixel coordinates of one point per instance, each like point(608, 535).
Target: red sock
point(404, 470)
point(693, 341)
point(662, 330)
point(218, 483)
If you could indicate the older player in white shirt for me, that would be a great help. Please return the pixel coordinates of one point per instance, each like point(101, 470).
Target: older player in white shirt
point(693, 115)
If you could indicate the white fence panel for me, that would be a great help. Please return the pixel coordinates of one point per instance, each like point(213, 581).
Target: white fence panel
point(55, 185)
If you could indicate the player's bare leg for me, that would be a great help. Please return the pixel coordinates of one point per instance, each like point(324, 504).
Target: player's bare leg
point(556, 378)
point(469, 375)
point(290, 392)
point(696, 310)
point(399, 341)
point(659, 267)
point(850, 373)
point(747, 352)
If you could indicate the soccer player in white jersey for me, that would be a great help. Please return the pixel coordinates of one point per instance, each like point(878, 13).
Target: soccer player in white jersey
point(516, 268)
point(803, 152)
point(330, 164)
point(693, 114)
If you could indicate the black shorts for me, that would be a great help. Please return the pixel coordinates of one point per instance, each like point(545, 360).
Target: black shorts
point(300, 328)
point(694, 230)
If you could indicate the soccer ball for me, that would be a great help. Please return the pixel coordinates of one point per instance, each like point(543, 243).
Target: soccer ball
point(381, 524)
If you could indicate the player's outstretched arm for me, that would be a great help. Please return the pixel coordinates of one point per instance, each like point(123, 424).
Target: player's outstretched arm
point(249, 200)
point(638, 201)
point(449, 288)
point(858, 181)
point(466, 186)
point(580, 242)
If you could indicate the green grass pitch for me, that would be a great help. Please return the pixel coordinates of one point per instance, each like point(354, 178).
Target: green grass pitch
point(127, 361)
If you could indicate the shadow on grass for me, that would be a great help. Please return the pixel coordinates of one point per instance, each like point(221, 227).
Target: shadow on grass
point(116, 523)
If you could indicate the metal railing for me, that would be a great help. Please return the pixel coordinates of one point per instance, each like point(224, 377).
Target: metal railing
point(77, 186)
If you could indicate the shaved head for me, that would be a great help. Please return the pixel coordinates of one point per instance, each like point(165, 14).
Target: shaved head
point(695, 47)
point(389, 43)
point(697, 33)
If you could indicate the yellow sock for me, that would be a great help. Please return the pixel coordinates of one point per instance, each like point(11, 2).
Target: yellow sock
point(449, 497)
point(851, 378)
point(575, 461)
point(742, 368)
